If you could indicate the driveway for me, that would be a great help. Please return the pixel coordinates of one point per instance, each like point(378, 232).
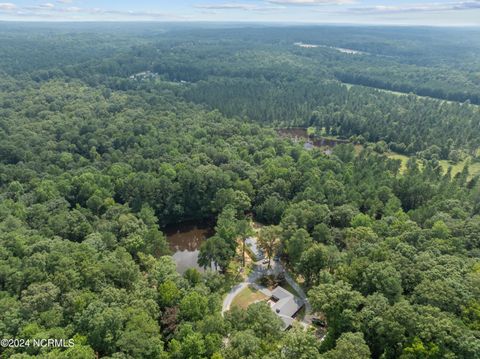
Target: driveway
point(250, 280)
point(258, 271)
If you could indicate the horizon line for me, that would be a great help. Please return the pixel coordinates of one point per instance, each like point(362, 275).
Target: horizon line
point(226, 22)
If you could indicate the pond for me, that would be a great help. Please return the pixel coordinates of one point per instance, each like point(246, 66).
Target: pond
point(298, 134)
point(340, 49)
point(184, 240)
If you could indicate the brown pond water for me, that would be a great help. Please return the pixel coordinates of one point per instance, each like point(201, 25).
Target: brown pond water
point(301, 134)
point(184, 240)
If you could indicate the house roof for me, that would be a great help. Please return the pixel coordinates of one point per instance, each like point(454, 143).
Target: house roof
point(280, 293)
point(287, 305)
point(252, 243)
point(308, 146)
point(287, 321)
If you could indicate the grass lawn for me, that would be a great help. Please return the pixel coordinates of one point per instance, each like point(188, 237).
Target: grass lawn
point(246, 297)
point(402, 158)
point(397, 93)
point(456, 168)
point(358, 149)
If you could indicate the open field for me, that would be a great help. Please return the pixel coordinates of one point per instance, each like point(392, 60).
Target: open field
point(398, 93)
point(402, 158)
point(456, 168)
point(246, 297)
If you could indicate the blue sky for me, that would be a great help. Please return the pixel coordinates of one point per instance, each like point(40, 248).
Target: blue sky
point(404, 12)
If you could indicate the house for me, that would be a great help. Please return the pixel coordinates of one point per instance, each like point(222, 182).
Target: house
point(252, 244)
point(308, 146)
point(144, 75)
point(285, 305)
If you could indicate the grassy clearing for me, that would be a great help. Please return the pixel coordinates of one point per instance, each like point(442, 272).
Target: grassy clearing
point(456, 167)
point(358, 149)
point(246, 297)
point(474, 168)
point(402, 158)
point(397, 93)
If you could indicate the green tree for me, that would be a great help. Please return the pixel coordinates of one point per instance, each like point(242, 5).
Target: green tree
point(300, 344)
point(141, 336)
point(238, 200)
point(383, 278)
point(297, 244)
point(244, 344)
point(193, 306)
point(340, 304)
point(168, 294)
point(312, 262)
point(217, 251)
point(268, 241)
point(306, 214)
point(349, 345)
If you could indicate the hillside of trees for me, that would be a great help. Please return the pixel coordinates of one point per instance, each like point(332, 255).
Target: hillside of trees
point(94, 164)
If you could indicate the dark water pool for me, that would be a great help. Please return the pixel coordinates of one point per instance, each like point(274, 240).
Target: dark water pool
point(184, 240)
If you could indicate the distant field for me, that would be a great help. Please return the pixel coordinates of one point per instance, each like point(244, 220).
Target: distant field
point(349, 86)
point(397, 93)
point(402, 158)
point(456, 168)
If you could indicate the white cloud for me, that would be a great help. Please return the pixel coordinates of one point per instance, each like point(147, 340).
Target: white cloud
point(237, 6)
point(421, 7)
point(465, 5)
point(7, 6)
point(301, 10)
point(73, 9)
point(311, 2)
point(51, 12)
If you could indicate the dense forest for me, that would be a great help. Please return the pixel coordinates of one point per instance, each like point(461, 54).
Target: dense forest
point(109, 134)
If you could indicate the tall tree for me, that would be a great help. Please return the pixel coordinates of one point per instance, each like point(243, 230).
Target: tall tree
point(268, 240)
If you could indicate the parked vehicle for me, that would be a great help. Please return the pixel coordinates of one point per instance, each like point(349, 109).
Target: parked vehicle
point(319, 322)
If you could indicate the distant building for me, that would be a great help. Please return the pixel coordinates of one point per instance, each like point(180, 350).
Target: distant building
point(307, 46)
point(145, 75)
point(308, 146)
point(285, 305)
point(252, 244)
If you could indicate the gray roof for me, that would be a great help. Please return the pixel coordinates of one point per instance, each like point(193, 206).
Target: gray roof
point(252, 243)
point(281, 293)
point(308, 146)
point(287, 305)
point(287, 321)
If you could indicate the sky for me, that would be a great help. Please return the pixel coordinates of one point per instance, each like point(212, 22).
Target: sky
point(372, 12)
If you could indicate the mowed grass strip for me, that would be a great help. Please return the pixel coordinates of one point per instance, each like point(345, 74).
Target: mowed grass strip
point(247, 296)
